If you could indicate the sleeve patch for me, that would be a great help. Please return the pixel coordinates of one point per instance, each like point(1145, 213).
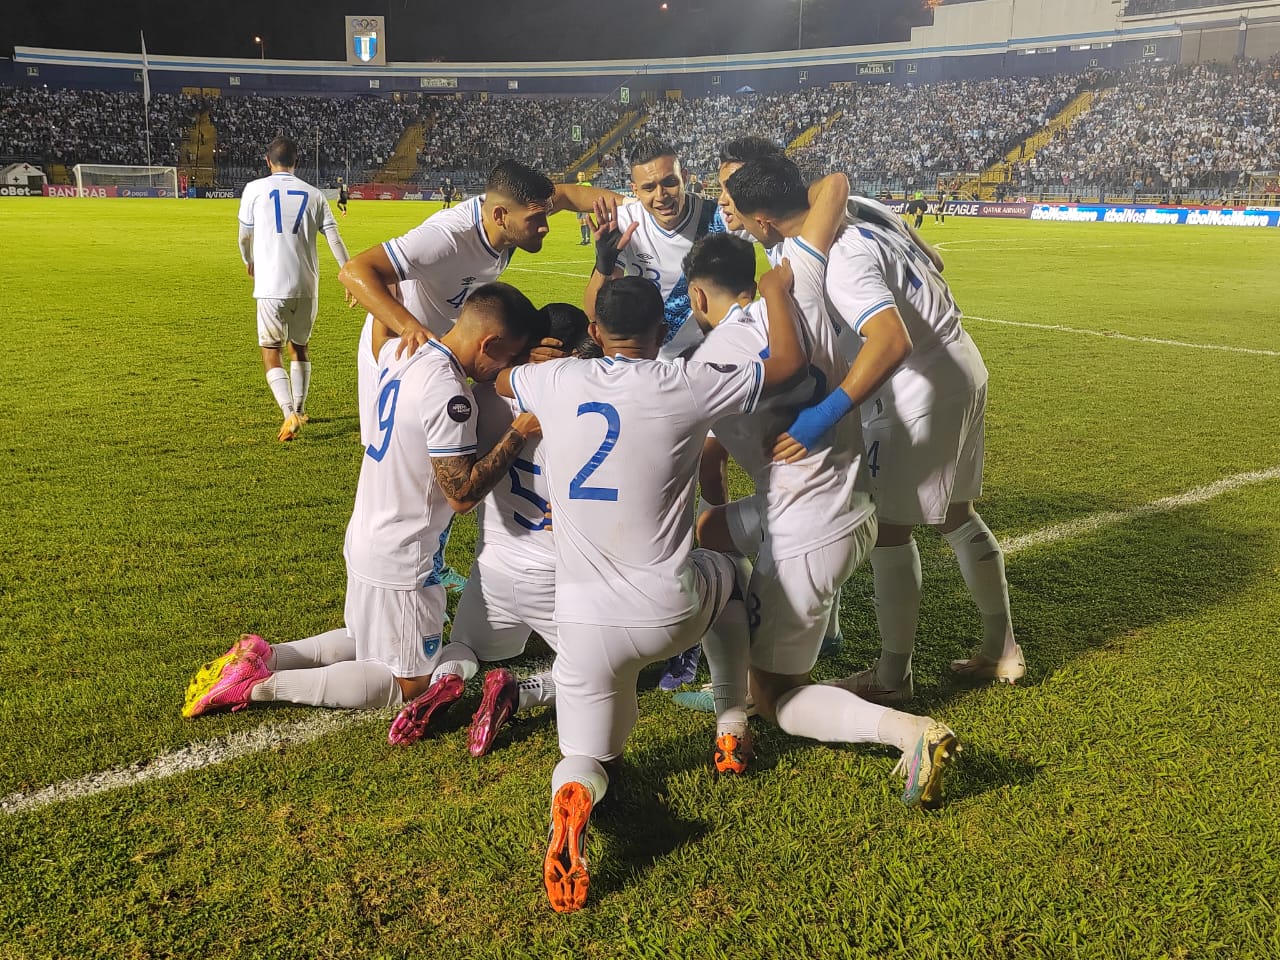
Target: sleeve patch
point(459, 409)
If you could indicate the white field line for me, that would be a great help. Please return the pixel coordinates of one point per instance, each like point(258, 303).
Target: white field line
point(1110, 335)
point(197, 756)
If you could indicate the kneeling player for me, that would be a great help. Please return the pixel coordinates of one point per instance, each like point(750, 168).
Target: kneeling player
point(817, 524)
point(511, 589)
point(630, 590)
point(395, 602)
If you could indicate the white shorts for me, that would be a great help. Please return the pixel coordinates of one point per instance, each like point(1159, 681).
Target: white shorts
point(745, 518)
point(497, 612)
point(597, 666)
point(400, 629)
point(790, 601)
point(919, 467)
point(285, 320)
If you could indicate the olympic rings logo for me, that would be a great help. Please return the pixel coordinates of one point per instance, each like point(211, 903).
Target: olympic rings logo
point(364, 23)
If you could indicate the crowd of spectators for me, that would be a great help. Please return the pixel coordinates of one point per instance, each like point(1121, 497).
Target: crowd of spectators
point(352, 133)
point(1167, 129)
point(464, 137)
point(46, 126)
point(907, 135)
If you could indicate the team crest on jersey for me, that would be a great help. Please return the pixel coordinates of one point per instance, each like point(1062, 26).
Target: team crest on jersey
point(459, 409)
point(431, 646)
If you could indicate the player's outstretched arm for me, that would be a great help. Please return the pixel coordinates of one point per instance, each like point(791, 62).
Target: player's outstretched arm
point(828, 210)
point(886, 344)
point(581, 199)
point(466, 480)
point(787, 358)
point(371, 279)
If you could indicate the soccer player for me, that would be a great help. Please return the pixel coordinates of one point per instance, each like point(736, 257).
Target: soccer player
point(649, 238)
point(395, 602)
point(920, 385)
point(584, 219)
point(446, 192)
point(511, 590)
point(343, 196)
point(917, 207)
point(281, 217)
point(630, 590)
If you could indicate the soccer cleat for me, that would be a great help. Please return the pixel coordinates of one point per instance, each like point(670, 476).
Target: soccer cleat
point(866, 684)
point(410, 724)
point(934, 752)
point(983, 669)
point(304, 418)
point(289, 430)
point(681, 669)
point(564, 869)
point(732, 753)
point(498, 704)
point(225, 686)
point(452, 579)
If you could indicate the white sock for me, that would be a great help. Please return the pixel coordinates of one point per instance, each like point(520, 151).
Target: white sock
point(897, 577)
point(278, 381)
point(728, 649)
point(353, 684)
point(457, 659)
point(318, 651)
point(982, 566)
point(901, 730)
point(300, 375)
point(585, 771)
point(829, 714)
point(537, 691)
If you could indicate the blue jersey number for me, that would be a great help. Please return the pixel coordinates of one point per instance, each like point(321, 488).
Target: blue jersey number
point(386, 419)
point(873, 458)
point(578, 489)
point(520, 490)
point(302, 208)
point(460, 299)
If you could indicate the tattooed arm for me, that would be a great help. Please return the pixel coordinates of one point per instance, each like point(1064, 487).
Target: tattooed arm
point(466, 480)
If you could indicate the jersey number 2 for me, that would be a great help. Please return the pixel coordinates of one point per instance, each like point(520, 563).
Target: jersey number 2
point(578, 489)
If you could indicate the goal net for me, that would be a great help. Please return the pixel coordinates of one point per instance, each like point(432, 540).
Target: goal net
point(110, 180)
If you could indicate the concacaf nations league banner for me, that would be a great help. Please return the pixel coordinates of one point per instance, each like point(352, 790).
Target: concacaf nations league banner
point(1102, 213)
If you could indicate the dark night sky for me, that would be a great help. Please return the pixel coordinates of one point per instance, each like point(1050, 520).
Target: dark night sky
point(458, 29)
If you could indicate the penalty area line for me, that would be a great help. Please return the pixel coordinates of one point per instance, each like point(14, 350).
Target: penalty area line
point(1111, 335)
point(197, 756)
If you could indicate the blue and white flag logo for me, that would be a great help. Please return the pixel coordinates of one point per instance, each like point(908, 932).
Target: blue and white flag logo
point(365, 46)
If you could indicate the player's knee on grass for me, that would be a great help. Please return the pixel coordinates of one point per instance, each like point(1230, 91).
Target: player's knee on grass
point(767, 688)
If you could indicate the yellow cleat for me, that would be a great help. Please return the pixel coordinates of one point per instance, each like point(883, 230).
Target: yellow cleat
point(292, 424)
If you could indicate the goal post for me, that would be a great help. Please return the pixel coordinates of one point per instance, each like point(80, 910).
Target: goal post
point(113, 180)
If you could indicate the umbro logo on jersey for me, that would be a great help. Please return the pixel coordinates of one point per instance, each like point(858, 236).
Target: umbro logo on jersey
point(468, 281)
point(459, 409)
point(723, 367)
point(644, 257)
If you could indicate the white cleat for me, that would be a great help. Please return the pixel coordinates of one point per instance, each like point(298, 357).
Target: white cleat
point(980, 669)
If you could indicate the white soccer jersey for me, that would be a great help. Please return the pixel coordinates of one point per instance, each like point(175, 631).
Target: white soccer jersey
point(437, 263)
point(873, 267)
point(658, 255)
point(401, 519)
point(622, 441)
point(515, 529)
point(287, 216)
point(818, 499)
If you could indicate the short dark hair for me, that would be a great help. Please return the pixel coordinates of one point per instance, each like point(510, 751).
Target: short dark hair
point(743, 149)
point(724, 260)
point(770, 185)
point(510, 309)
point(282, 152)
point(568, 324)
point(629, 308)
point(648, 149)
point(520, 182)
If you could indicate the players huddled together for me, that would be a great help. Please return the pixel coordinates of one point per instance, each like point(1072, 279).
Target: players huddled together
point(841, 380)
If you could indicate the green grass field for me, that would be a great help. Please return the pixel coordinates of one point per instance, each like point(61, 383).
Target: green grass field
point(1120, 803)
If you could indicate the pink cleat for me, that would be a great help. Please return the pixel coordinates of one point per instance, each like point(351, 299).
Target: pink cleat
point(227, 687)
point(497, 705)
point(410, 724)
